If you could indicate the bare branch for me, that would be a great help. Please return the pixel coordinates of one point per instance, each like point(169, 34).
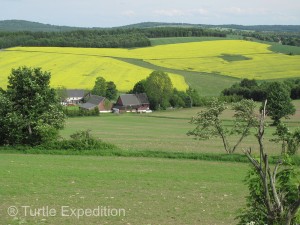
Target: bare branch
point(255, 163)
point(244, 134)
point(273, 185)
point(265, 182)
point(275, 201)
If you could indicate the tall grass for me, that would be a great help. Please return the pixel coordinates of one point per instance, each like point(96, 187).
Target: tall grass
point(111, 150)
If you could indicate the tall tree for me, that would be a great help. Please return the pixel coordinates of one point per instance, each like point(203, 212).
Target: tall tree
point(33, 113)
point(248, 83)
point(9, 122)
point(279, 101)
point(99, 87)
point(139, 87)
point(209, 124)
point(159, 89)
point(111, 90)
point(290, 140)
point(194, 98)
point(274, 190)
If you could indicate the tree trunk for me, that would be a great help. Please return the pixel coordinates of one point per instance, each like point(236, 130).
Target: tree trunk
point(29, 130)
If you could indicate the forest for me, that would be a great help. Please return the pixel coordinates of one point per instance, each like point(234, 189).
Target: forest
point(100, 38)
point(24, 33)
point(292, 39)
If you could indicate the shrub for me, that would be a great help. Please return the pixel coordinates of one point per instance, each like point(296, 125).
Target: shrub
point(81, 112)
point(80, 140)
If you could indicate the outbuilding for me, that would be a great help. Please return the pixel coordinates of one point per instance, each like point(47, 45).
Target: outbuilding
point(132, 103)
point(93, 101)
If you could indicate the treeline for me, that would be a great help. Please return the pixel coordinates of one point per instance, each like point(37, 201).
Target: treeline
point(80, 38)
point(162, 95)
point(261, 28)
point(292, 39)
point(100, 38)
point(161, 32)
point(251, 89)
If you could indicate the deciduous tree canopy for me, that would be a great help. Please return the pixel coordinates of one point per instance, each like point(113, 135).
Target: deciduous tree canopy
point(279, 101)
point(30, 110)
point(105, 88)
point(159, 89)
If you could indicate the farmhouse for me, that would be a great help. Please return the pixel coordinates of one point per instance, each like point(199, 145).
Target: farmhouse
point(93, 101)
point(74, 96)
point(132, 103)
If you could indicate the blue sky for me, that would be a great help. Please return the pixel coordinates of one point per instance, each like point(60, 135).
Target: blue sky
point(108, 13)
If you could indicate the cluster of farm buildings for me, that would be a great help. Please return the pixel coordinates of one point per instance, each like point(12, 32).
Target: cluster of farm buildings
point(125, 102)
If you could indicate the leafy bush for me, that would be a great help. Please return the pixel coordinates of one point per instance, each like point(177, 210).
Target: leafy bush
point(256, 209)
point(80, 140)
point(250, 89)
point(81, 112)
point(29, 108)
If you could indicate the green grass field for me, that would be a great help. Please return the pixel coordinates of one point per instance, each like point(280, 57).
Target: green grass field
point(165, 131)
point(207, 84)
point(152, 191)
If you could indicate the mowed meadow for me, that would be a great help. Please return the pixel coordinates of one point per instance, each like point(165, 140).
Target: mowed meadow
point(166, 131)
point(151, 190)
point(218, 60)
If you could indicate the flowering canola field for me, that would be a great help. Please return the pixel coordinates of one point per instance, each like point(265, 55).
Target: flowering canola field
point(72, 68)
point(252, 59)
point(79, 67)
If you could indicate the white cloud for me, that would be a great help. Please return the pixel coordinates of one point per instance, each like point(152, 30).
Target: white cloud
point(180, 12)
point(233, 10)
point(244, 11)
point(169, 12)
point(128, 13)
point(202, 12)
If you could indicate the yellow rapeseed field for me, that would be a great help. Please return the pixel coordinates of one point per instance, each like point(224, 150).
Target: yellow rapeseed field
point(79, 67)
point(262, 63)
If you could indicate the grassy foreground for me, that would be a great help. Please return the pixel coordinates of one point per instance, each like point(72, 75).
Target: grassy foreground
point(152, 191)
point(149, 190)
point(166, 131)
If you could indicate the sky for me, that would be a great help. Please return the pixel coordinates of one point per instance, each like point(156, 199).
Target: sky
point(110, 13)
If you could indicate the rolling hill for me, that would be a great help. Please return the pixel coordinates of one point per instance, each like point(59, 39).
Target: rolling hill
point(208, 66)
point(23, 25)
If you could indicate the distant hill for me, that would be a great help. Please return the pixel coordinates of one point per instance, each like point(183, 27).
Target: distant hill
point(159, 24)
point(22, 25)
point(261, 28)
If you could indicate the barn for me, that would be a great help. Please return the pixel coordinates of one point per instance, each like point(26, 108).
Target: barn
point(132, 103)
point(73, 96)
point(93, 101)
